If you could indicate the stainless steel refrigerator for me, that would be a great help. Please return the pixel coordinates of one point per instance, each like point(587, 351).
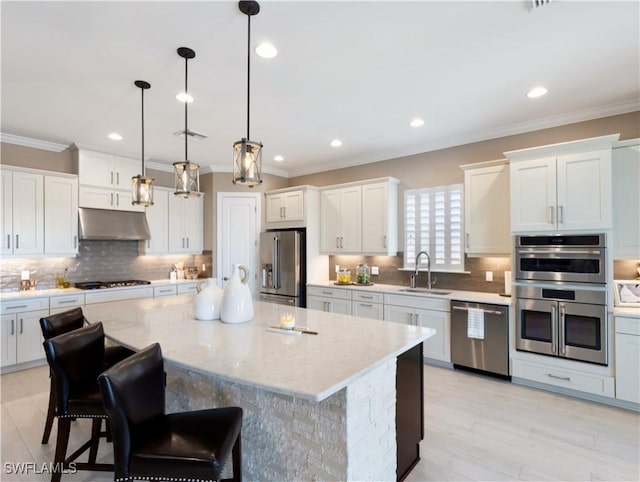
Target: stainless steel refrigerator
point(283, 267)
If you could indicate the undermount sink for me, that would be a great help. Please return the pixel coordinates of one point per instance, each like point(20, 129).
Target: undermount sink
point(424, 291)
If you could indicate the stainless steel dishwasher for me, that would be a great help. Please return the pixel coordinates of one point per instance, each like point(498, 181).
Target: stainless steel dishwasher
point(480, 337)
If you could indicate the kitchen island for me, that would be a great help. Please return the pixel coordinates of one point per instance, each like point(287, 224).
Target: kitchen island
point(317, 407)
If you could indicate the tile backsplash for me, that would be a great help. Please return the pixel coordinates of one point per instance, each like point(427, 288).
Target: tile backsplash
point(390, 273)
point(99, 261)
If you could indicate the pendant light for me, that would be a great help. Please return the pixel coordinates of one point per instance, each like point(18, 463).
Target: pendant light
point(247, 155)
point(141, 186)
point(187, 174)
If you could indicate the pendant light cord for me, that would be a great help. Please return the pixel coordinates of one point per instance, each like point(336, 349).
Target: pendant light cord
point(248, 73)
point(143, 173)
point(186, 90)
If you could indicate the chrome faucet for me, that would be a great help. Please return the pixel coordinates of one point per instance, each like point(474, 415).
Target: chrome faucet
point(414, 275)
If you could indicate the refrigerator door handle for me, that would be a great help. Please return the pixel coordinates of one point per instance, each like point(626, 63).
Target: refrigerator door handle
point(276, 263)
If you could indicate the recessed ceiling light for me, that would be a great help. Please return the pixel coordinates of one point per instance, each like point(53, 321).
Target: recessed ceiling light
point(536, 92)
point(278, 158)
point(266, 50)
point(417, 122)
point(184, 97)
point(114, 136)
point(336, 143)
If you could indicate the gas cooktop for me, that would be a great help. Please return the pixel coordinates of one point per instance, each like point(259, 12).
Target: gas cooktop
point(98, 285)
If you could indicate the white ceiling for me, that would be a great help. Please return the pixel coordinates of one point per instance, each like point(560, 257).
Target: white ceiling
point(358, 71)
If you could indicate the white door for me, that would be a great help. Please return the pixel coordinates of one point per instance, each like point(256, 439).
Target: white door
point(375, 207)
point(158, 220)
point(8, 336)
point(28, 213)
point(237, 240)
point(29, 341)
point(329, 213)
point(351, 219)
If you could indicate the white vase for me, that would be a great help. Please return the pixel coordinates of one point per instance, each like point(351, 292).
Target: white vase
point(208, 301)
point(237, 305)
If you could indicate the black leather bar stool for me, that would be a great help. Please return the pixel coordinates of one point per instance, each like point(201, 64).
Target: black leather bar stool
point(54, 325)
point(76, 359)
point(149, 444)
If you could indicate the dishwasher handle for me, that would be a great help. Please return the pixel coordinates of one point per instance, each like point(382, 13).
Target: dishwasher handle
point(485, 311)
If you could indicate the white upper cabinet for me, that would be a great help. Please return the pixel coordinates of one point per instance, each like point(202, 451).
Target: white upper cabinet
point(286, 208)
point(562, 187)
point(626, 201)
point(486, 208)
point(158, 220)
point(61, 215)
point(341, 220)
point(22, 213)
point(185, 224)
point(360, 218)
point(105, 180)
point(380, 218)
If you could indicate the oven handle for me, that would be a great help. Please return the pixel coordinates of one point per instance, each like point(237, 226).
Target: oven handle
point(576, 251)
point(561, 331)
point(554, 329)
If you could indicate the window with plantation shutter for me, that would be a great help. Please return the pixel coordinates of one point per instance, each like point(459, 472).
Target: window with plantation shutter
point(433, 222)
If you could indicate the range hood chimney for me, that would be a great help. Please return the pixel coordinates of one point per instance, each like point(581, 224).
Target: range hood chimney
point(106, 224)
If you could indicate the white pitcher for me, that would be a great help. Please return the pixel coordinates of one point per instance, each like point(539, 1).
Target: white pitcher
point(237, 305)
point(208, 301)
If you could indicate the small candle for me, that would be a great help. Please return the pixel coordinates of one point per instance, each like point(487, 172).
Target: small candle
point(25, 274)
point(287, 322)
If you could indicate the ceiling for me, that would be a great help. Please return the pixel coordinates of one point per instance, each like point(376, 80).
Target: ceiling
point(357, 71)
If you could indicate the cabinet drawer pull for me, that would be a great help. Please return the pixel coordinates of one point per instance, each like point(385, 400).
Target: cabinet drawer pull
point(75, 242)
point(117, 199)
point(467, 240)
point(111, 198)
point(367, 305)
point(118, 178)
point(17, 307)
point(551, 375)
point(327, 292)
point(560, 214)
point(21, 326)
point(8, 241)
point(551, 219)
point(66, 301)
point(17, 241)
point(187, 243)
point(165, 291)
point(366, 297)
point(384, 241)
point(111, 178)
point(13, 328)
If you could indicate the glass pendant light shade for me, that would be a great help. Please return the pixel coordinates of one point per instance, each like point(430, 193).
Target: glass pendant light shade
point(187, 179)
point(186, 174)
point(247, 162)
point(141, 186)
point(142, 190)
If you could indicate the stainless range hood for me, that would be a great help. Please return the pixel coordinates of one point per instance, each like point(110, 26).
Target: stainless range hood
point(106, 224)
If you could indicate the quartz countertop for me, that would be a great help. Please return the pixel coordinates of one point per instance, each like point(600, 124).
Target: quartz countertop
point(627, 311)
point(38, 293)
point(311, 367)
point(473, 296)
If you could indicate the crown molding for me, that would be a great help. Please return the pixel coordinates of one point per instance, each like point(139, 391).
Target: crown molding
point(521, 128)
point(29, 142)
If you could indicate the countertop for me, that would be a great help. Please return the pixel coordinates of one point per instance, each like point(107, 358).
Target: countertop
point(312, 367)
point(37, 293)
point(627, 311)
point(474, 296)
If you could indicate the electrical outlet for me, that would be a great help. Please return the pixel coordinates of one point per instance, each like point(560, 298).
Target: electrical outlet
point(488, 276)
point(337, 268)
point(375, 270)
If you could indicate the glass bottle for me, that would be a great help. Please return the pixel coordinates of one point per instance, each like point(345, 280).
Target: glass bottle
point(344, 276)
point(363, 274)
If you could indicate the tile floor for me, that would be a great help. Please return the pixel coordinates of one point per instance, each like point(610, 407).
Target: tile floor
point(476, 428)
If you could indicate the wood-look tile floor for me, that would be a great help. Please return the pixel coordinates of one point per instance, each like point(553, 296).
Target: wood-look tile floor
point(476, 428)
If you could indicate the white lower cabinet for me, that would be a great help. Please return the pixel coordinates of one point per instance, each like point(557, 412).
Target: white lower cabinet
point(160, 291)
point(566, 378)
point(627, 357)
point(188, 288)
point(428, 312)
point(331, 300)
point(21, 334)
point(367, 304)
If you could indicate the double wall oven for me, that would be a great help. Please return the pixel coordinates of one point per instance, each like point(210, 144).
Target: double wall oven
point(561, 296)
